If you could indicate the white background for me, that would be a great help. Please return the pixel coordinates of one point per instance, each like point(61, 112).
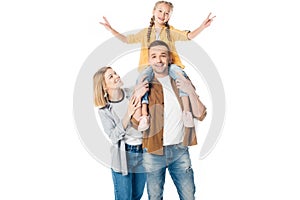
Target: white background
point(254, 45)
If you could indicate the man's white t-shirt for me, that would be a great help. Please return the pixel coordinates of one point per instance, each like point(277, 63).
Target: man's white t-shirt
point(173, 124)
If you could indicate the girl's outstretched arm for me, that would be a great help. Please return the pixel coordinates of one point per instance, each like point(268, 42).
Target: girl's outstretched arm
point(206, 23)
point(107, 25)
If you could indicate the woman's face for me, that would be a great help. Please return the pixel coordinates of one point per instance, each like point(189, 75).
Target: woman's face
point(112, 80)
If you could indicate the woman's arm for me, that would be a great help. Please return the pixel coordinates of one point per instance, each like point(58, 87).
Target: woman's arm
point(112, 125)
point(132, 107)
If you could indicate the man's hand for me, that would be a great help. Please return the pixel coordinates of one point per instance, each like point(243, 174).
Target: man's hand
point(184, 84)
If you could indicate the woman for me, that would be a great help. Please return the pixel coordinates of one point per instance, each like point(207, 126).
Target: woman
point(116, 108)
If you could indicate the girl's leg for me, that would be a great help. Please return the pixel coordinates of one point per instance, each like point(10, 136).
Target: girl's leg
point(144, 119)
point(141, 111)
point(147, 74)
point(144, 109)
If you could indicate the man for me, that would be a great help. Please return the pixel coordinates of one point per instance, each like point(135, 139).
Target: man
point(166, 141)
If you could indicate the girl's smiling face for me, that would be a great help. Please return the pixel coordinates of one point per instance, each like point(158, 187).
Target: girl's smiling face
point(162, 13)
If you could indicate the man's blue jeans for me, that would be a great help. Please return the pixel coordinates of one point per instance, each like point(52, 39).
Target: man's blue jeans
point(177, 159)
point(131, 186)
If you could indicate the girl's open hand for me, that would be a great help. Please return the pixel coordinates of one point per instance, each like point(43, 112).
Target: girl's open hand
point(206, 23)
point(106, 24)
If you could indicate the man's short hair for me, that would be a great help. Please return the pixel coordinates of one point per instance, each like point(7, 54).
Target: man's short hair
point(158, 43)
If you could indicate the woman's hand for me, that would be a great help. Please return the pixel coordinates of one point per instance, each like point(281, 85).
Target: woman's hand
point(133, 105)
point(141, 88)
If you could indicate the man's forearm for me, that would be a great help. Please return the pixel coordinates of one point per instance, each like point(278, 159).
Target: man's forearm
point(198, 108)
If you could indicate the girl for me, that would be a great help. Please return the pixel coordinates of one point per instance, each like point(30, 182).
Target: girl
point(116, 110)
point(159, 29)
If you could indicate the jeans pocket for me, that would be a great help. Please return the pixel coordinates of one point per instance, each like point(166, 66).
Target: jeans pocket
point(180, 146)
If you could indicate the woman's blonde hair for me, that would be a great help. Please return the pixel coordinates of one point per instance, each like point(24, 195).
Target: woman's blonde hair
point(100, 95)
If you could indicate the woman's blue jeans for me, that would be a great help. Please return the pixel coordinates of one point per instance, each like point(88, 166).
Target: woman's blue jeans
point(131, 186)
